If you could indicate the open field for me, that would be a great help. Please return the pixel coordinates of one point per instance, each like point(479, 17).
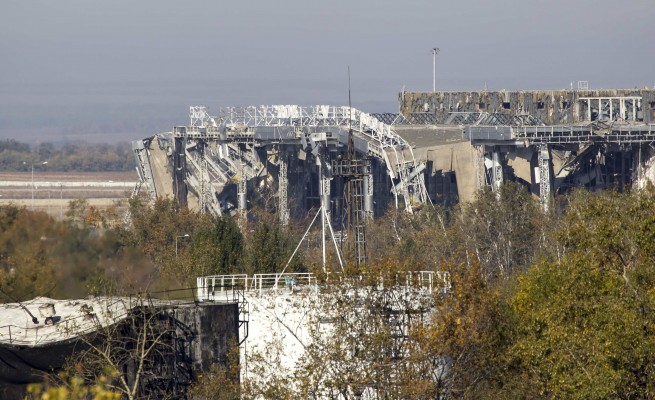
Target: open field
point(48, 176)
point(52, 191)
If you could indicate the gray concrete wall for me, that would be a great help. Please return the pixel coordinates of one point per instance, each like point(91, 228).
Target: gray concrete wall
point(552, 107)
point(215, 328)
point(454, 157)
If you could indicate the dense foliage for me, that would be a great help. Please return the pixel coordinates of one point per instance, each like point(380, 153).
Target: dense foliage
point(40, 256)
point(571, 318)
point(543, 305)
point(166, 246)
point(16, 156)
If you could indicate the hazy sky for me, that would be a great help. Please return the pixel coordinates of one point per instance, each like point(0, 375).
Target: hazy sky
point(129, 68)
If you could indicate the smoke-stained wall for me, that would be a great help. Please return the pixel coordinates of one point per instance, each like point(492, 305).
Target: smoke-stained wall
point(552, 107)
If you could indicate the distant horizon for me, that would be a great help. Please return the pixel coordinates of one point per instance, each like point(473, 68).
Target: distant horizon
point(124, 70)
point(119, 118)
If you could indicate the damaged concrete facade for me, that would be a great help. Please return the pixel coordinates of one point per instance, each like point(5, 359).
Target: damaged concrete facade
point(549, 107)
point(287, 158)
point(441, 148)
point(549, 140)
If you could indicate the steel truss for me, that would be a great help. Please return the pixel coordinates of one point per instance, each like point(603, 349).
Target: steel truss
point(235, 127)
point(354, 173)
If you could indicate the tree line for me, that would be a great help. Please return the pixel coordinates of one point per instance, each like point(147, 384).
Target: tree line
point(78, 157)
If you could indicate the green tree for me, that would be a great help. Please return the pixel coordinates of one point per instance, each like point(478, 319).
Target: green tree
point(155, 230)
point(40, 256)
point(501, 230)
point(216, 247)
point(269, 246)
point(581, 327)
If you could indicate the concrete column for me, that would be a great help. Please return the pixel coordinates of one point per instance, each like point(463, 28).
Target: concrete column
point(204, 184)
point(179, 171)
point(283, 185)
point(479, 167)
point(611, 117)
point(324, 194)
point(324, 190)
point(368, 196)
point(545, 181)
point(496, 170)
point(589, 110)
point(241, 194)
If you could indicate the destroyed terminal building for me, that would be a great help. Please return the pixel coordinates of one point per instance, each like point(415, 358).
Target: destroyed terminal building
point(439, 149)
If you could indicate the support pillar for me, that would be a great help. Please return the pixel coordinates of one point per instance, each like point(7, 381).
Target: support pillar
point(204, 196)
point(496, 170)
point(545, 182)
point(283, 188)
point(324, 193)
point(368, 196)
point(179, 171)
point(478, 165)
point(241, 194)
point(204, 186)
point(589, 110)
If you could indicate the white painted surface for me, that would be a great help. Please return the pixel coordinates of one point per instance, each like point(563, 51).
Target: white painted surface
point(16, 326)
point(279, 323)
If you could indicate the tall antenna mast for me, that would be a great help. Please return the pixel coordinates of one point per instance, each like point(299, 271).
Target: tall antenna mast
point(351, 142)
point(353, 171)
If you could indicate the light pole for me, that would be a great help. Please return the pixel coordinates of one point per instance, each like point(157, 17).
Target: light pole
point(186, 235)
point(435, 50)
point(43, 163)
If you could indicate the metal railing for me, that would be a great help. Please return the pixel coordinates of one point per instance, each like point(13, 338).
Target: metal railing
point(214, 287)
point(286, 280)
point(210, 286)
point(563, 134)
point(217, 286)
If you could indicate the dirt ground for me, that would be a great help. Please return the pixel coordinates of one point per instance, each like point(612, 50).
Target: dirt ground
point(54, 200)
point(47, 176)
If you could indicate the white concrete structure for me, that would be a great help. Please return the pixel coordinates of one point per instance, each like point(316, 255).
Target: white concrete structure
point(287, 312)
